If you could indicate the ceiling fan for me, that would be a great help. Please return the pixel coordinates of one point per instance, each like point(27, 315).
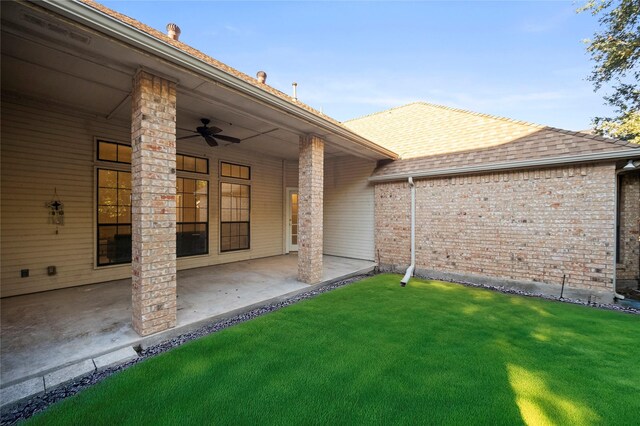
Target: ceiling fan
point(210, 134)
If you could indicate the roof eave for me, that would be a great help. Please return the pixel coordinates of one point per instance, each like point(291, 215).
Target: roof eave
point(627, 154)
point(89, 16)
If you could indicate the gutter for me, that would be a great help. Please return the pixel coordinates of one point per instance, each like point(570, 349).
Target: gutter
point(93, 18)
point(626, 154)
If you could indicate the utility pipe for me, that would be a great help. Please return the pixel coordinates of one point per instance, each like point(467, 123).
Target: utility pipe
point(411, 267)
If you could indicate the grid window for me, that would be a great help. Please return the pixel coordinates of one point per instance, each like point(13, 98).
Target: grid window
point(192, 209)
point(114, 217)
point(235, 171)
point(235, 202)
point(187, 163)
point(115, 152)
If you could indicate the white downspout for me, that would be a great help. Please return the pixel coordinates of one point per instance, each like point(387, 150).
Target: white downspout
point(411, 267)
point(615, 230)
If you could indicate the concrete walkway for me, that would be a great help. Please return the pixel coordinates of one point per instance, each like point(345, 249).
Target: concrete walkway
point(82, 328)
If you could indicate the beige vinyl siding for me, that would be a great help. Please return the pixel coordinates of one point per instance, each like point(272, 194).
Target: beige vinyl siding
point(348, 208)
point(291, 174)
point(44, 149)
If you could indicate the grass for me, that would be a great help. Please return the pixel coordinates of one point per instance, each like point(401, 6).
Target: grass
point(376, 353)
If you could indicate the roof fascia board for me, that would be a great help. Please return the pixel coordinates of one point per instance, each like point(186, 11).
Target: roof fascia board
point(627, 154)
point(96, 19)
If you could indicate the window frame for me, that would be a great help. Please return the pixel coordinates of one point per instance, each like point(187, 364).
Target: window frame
point(206, 224)
point(234, 181)
point(222, 176)
point(121, 166)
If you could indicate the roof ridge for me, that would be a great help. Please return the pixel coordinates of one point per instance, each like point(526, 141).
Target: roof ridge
point(383, 111)
point(501, 118)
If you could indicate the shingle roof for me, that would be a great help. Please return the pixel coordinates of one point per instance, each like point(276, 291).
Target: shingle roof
point(431, 136)
point(203, 57)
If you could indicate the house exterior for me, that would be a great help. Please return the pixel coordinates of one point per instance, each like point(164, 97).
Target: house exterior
point(101, 179)
point(505, 202)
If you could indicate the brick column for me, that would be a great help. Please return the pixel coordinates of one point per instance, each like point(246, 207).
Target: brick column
point(310, 208)
point(153, 199)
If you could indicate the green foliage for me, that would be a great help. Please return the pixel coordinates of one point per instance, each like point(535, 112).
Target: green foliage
point(375, 353)
point(616, 52)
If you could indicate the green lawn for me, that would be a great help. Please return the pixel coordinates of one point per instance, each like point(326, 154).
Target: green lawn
point(375, 353)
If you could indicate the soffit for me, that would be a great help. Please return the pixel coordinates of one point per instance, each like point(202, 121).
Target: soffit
point(48, 57)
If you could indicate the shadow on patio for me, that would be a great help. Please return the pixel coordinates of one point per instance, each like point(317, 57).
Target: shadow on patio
point(44, 331)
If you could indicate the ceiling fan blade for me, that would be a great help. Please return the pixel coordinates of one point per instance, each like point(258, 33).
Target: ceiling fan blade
point(228, 138)
point(211, 141)
point(187, 137)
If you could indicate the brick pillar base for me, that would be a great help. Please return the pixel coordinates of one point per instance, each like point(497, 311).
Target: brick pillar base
point(310, 209)
point(153, 199)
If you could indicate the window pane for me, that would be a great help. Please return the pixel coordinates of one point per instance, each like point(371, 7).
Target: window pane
point(124, 154)
point(107, 197)
point(107, 151)
point(189, 186)
point(189, 164)
point(189, 200)
point(107, 214)
point(244, 173)
point(124, 214)
point(124, 180)
point(244, 216)
point(124, 197)
point(226, 169)
point(107, 178)
point(179, 162)
point(201, 165)
point(188, 215)
point(243, 229)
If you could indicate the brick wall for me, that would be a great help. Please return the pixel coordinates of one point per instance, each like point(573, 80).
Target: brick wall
point(529, 226)
point(310, 209)
point(629, 261)
point(153, 199)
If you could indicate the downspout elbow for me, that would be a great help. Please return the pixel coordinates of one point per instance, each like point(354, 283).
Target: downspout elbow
point(409, 273)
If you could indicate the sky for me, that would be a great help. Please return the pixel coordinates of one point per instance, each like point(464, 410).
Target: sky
point(524, 60)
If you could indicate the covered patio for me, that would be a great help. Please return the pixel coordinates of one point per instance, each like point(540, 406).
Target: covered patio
point(47, 331)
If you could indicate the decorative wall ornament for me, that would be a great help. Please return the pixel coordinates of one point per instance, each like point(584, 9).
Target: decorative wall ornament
point(56, 210)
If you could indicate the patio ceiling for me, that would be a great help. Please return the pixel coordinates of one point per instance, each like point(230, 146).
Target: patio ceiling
point(53, 60)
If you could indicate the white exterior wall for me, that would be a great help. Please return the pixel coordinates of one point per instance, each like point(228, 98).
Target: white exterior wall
point(43, 149)
point(348, 206)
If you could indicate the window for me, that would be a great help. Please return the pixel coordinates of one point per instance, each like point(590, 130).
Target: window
point(235, 200)
point(192, 227)
point(114, 217)
point(115, 152)
point(187, 163)
point(114, 206)
point(235, 171)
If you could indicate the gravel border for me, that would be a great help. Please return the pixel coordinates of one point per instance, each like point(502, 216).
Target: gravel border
point(508, 290)
point(27, 408)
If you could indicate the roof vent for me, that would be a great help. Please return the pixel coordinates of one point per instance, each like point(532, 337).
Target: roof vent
point(295, 91)
point(262, 77)
point(173, 31)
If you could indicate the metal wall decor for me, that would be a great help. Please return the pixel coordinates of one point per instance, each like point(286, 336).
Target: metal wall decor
point(56, 210)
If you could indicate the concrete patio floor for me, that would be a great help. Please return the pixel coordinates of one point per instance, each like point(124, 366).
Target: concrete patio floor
point(46, 331)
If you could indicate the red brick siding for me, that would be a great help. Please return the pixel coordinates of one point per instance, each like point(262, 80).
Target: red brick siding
point(533, 225)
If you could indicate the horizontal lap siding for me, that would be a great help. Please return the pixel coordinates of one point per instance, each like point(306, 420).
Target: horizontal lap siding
point(348, 208)
point(43, 149)
point(534, 225)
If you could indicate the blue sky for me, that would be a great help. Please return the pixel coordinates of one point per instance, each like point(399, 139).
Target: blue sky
point(523, 60)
